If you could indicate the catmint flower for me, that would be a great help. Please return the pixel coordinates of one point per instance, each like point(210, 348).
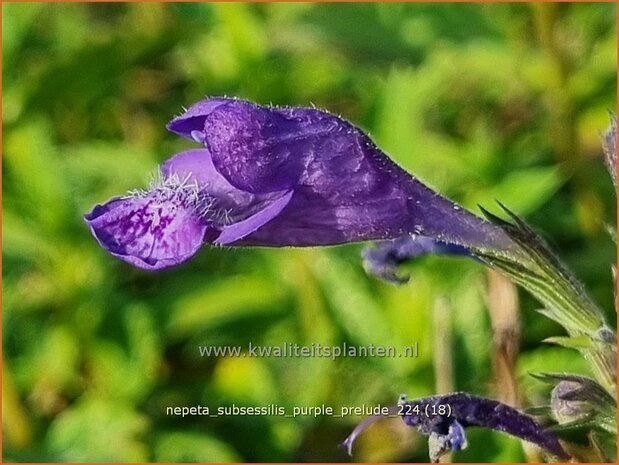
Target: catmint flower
point(444, 419)
point(276, 176)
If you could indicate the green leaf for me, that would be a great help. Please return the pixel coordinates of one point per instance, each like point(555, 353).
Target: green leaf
point(98, 430)
point(226, 300)
point(353, 306)
point(181, 447)
point(525, 190)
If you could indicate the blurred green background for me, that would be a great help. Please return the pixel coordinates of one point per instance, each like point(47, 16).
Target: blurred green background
point(481, 101)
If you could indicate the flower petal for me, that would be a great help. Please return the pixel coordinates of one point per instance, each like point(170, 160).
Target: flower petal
point(152, 232)
point(191, 123)
point(440, 444)
point(239, 230)
point(196, 166)
point(456, 436)
point(239, 213)
point(255, 148)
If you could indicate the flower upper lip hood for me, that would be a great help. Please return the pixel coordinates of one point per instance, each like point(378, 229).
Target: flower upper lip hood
point(276, 176)
point(191, 123)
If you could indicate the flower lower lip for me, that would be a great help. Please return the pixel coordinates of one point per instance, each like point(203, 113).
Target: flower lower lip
point(148, 232)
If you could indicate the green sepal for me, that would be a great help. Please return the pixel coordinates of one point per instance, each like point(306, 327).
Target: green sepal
point(574, 342)
point(533, 265)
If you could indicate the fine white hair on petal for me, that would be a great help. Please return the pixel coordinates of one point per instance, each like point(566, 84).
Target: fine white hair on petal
point(183, 189)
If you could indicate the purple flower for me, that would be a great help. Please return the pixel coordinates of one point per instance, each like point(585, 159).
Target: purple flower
point(444, 419)
point(272, 176)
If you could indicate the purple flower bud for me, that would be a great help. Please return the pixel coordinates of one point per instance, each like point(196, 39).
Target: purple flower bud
point(444, 419)
point(277, 177)
point(577, 400)
point(568, 410)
